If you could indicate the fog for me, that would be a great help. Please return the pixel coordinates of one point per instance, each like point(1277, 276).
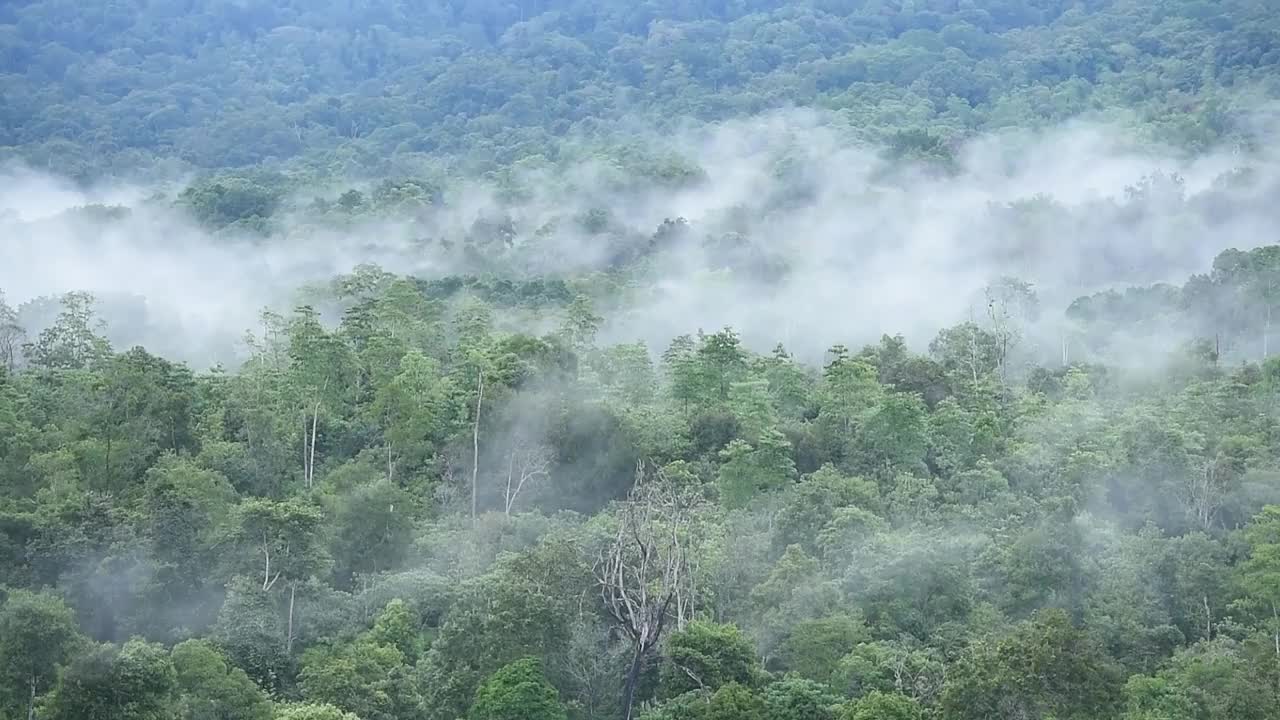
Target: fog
point(796, 233)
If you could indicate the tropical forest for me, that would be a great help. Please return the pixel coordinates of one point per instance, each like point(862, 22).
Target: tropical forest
point(655, 360)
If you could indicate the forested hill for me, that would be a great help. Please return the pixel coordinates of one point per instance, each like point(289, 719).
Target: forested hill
point(375, 85)
point(639, 360)
point(418, 515)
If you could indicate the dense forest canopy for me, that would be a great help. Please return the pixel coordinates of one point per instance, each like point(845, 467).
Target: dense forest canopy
point(569, 360)
point(379, 86)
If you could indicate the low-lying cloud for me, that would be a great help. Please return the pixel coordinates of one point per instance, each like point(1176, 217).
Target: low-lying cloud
point(795, 233)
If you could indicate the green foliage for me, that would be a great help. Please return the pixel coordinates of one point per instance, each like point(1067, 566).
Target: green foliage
point(813, 649)
point(38, 633)
point(504, 82)
point(518, 691)
point(895, 527)
point(794, 699)
point(363, 677)
point(311, 711)
point(231, 201)
point(498, 618)
point(73, 341)
point(133, 682)
point(372, 529)
point(707, 656)
point(1044, 667)
point(877, 705)
point(210, 689)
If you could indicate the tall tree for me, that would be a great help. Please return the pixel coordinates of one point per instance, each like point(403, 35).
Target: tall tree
point(38, 633)
point(322, 370)
point(11, 335)
point(281, 541)
point(518, 691)
point(643, 574)
point(73, 341)
point(132, 682)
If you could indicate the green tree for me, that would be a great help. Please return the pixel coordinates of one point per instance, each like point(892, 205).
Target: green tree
point(311, 711)
point(877, 705)
point(1044, 667)
point(132, 682)
point(185, 510)
point(38, 633)
point(280, 541)
point(813, 648)
point(372, 529)
point(518, 691)
point(11, 335)
point(321, 370)
point(894, 437)
point(211, 689)
point(73, 341)
point(363, 677)
point(518, 609)
point(798, 699)
point(707, 656)
point(747, 470)
point(1260, 573)
point(417, 409)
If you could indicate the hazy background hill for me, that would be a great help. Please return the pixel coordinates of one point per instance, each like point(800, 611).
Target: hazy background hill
point(387, 86)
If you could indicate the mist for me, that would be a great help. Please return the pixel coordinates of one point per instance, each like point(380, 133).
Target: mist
point(795, 233)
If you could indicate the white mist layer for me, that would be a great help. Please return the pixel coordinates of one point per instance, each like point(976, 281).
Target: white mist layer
point(866, 254)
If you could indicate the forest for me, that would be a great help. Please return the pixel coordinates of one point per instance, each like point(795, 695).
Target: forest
point(389, 87)
point(589, 360)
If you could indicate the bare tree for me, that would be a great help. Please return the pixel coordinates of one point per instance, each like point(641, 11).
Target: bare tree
point(1204, 489)
point(11, 336)
point(527, 463)
point(1011, 303)
point(644, 573)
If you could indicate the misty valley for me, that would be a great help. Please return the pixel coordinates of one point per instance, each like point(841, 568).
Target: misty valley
point(591, 360)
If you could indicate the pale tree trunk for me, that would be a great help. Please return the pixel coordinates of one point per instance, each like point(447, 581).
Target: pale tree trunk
point(509, 498)
point(288, 641)
point(475, 447)
point(1266, 335)
point(525, 464)
point(1275, 618)
point(267, 581)
point(311, 453)
point(266, 568)
point(31, 704)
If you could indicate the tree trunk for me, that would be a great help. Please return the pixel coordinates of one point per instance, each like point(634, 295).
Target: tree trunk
point(288, 641)
point(311, 455)
point(633, 680)
point(1266, 335)
point(31, 704)
point(1275, 617)
point(266, 568)
point(475, 446)
point(107, 461)
point(511, 469)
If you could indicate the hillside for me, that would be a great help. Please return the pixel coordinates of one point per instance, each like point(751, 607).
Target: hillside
point(384, 86)
point(726, 360)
